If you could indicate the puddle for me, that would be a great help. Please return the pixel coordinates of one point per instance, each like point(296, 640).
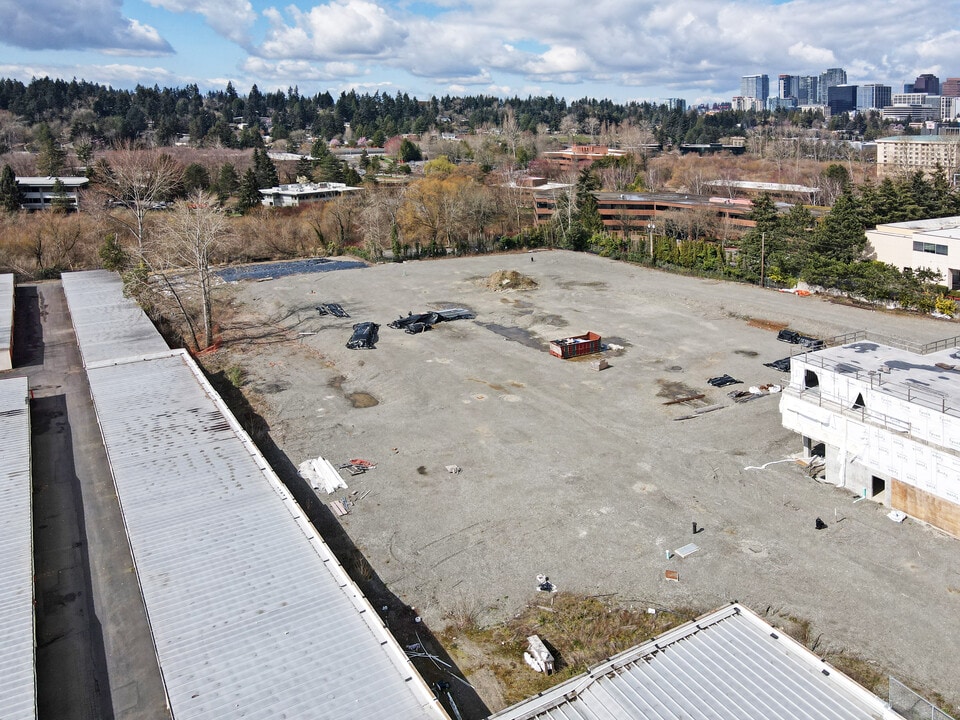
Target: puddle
point(674, 389)
point(574, 284)
point(362, 400)
point(554, 320)
point(746, 353)
point(515, 334)
point(266, 271)
point(271, 388)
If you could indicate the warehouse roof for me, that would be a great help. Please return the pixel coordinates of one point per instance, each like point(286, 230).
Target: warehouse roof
point(250, 611)
point(109, 326)
point(6, 320)
point(727, 664)
point(17, 680)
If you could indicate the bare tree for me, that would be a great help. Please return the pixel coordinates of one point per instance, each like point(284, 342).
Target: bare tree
point(136, 182)
point(194, 229)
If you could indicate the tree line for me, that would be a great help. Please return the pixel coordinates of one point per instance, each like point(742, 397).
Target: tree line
point(106, 115)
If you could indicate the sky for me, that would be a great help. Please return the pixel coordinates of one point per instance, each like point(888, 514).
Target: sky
point(622, 50)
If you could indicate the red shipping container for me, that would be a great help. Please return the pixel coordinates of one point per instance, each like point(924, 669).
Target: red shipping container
point(575, 346)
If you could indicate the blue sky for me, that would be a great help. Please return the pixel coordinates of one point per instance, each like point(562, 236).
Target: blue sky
point(618, 49)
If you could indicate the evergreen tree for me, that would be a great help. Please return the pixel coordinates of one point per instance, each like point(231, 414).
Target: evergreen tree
point(50, 156)
point(264, 169)
point(841, 236)
point(227, 182)
point(249, 196)
point(588, 212)
point(10, 197)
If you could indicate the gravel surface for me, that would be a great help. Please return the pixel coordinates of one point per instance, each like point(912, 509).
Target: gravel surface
point(585, 475)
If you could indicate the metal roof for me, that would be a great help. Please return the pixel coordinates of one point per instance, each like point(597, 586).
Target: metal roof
point(6, 319)
point(251, 614)
point(109, 326)
point(728, 664)
point(18, 693)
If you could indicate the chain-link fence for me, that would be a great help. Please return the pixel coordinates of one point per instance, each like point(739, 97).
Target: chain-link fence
point(913, 707)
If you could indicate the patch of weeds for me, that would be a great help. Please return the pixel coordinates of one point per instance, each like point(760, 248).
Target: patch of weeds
point(235, 375)
point(580, 631)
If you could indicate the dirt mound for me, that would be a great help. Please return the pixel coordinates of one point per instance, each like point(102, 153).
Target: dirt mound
point(509, 280)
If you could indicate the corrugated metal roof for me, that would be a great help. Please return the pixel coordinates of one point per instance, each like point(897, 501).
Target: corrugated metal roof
point(251, 614)
point(108, 325)
point(18, 687)
point(6, 320)
point(729, 664)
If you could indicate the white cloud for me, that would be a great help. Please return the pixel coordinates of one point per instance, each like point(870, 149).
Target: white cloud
point(230, 18)
point(811, 56)
point(88, 25)
point(338, 29)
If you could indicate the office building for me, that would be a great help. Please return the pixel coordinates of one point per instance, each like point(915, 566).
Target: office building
point(808, 90)
point(873, 96)
point(927, 83)
point(829, 79)
point(788, 86)
point(950, 87)
point(842, 99)
point(755, 86)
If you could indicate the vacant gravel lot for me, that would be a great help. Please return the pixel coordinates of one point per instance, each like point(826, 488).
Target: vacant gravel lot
point(587, 476)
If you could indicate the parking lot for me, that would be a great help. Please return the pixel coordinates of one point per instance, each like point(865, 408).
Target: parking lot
point(588, 476)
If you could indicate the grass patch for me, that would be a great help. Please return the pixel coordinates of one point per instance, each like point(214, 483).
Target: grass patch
point(579, 630)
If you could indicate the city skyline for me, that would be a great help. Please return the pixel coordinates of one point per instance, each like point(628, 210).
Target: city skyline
point(456, 47)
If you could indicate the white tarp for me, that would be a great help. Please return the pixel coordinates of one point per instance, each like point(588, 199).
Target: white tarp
point(321, 475)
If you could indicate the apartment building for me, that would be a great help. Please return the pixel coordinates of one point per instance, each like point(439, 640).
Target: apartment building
point(908, 153)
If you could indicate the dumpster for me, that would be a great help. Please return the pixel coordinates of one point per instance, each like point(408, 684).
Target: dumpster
point(575, 346)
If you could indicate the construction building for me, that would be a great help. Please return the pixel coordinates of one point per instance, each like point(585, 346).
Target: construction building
point(885, 420)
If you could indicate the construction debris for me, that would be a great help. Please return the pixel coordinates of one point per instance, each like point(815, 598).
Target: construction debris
point(575, 346)
point(687, 398)
point(357, 466)
point(687, 550)
point(365, 336)
point(544, 584)
point(537, 656)
point(421, 322)
point(453, 469)
point(783, 365)
point(510, 280)
point(321, 475)
point(723, 381)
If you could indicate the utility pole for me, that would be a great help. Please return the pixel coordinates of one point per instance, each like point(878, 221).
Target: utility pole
point(763, 243)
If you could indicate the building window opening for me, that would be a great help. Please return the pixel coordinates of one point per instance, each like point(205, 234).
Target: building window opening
point(810, 380)
point(877, 486)
point(858, 404)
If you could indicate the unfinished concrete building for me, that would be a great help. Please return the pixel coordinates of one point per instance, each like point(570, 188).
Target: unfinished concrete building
point(886, 421)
